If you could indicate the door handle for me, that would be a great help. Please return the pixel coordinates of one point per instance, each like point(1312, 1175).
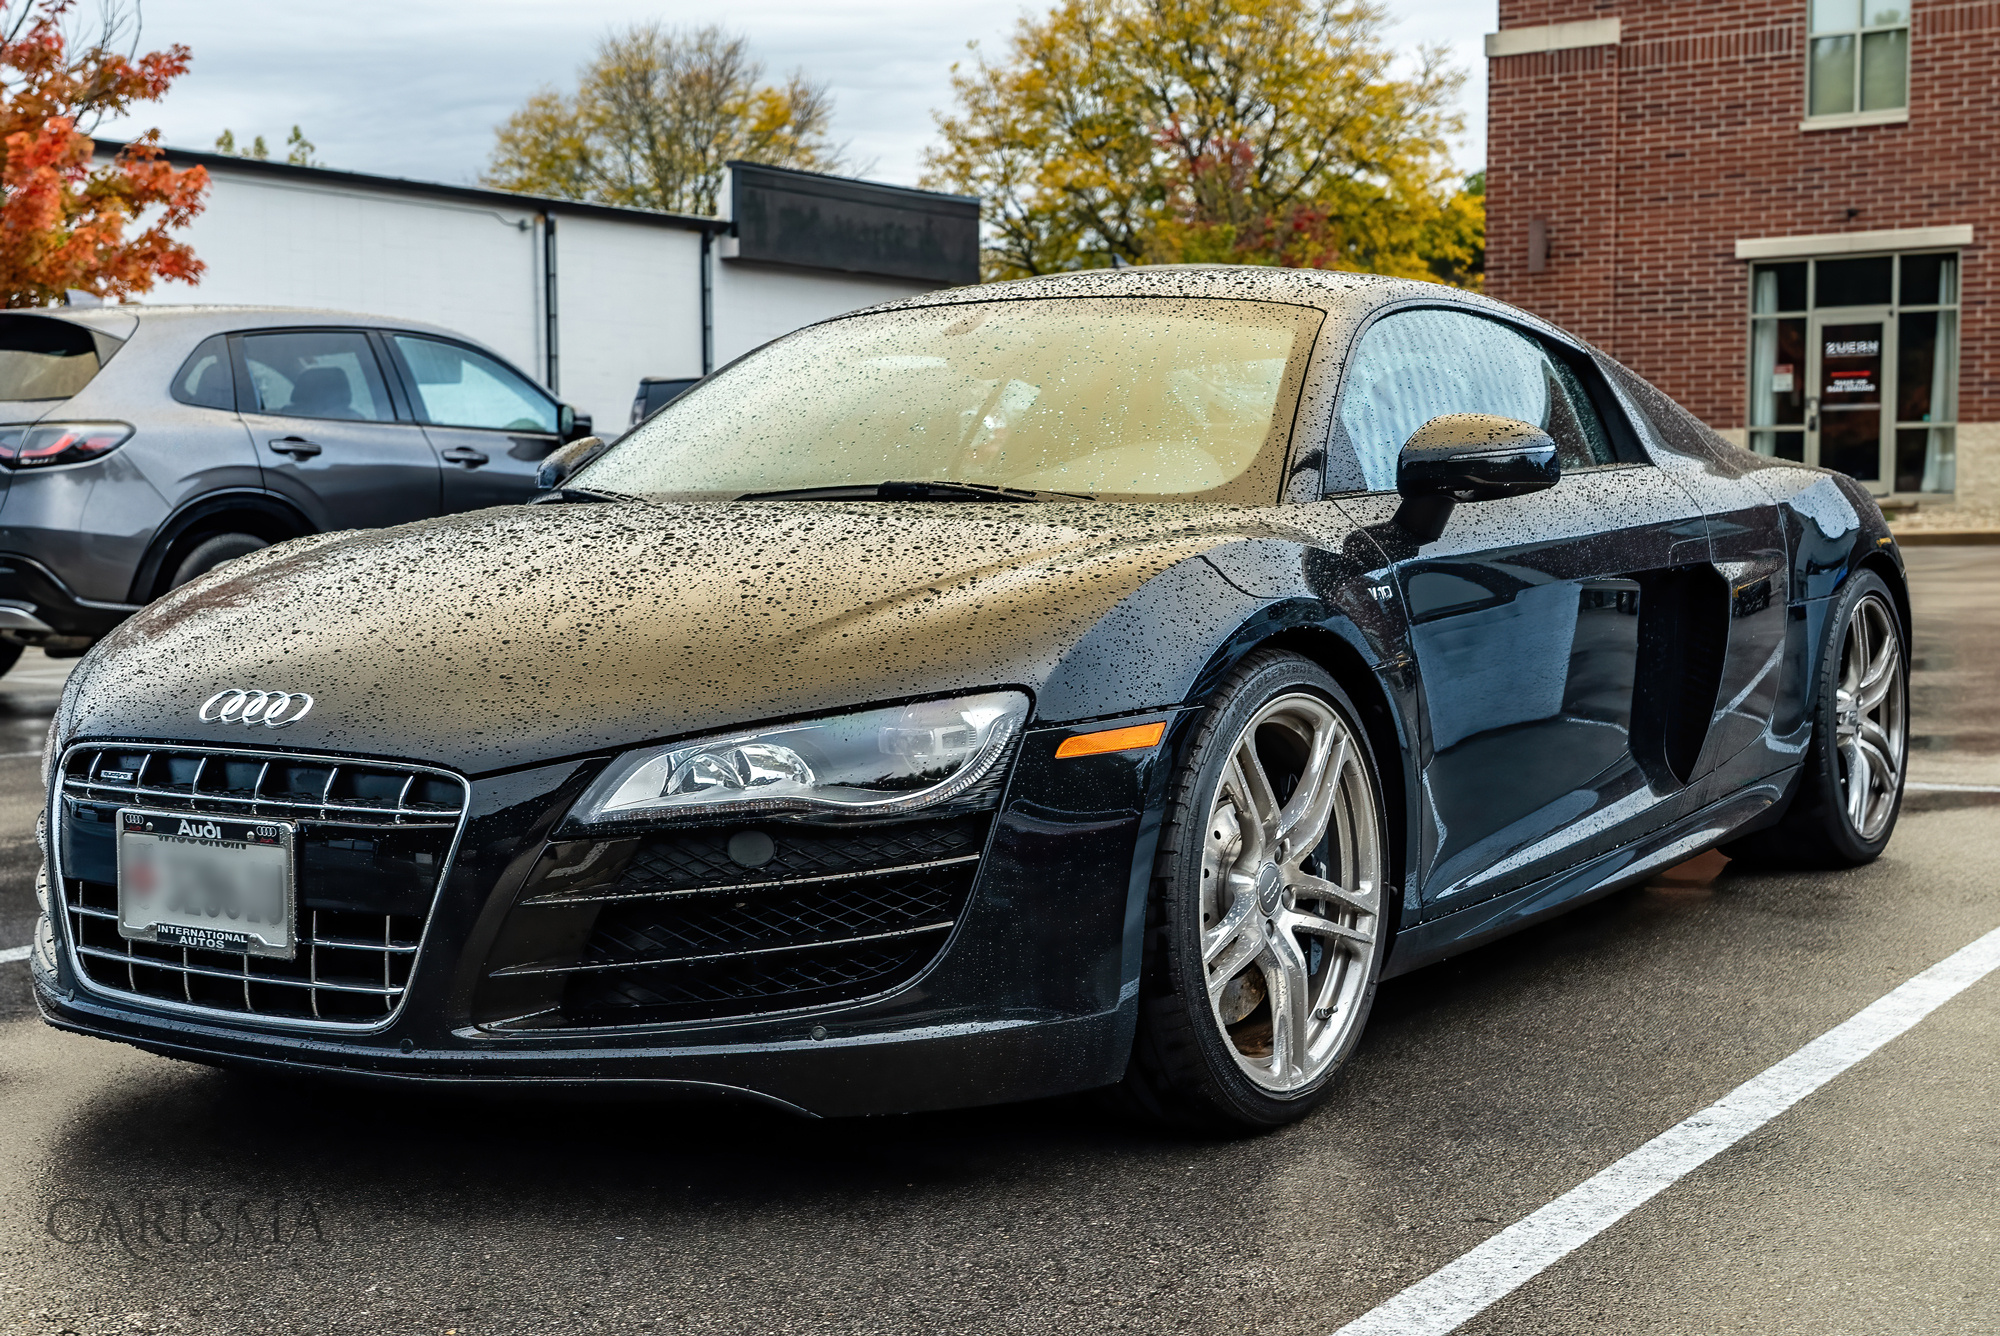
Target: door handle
point(1812, 413)
point(296, 446)
point(465, 455)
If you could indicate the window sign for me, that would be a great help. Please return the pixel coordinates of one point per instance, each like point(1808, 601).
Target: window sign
point(1852, 360)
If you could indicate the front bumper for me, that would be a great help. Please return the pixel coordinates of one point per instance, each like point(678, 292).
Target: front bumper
point(1034, 993)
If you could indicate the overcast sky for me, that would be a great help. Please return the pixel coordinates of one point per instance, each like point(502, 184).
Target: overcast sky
point(414, 87)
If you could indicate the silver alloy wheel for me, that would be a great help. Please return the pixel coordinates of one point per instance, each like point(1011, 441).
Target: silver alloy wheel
point(1869, 716)
point(1291, 892)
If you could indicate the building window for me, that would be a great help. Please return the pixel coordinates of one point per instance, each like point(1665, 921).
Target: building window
point(1858, 60)
point(1854, 366)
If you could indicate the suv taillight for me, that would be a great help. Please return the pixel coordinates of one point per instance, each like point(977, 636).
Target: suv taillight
point(49, 443)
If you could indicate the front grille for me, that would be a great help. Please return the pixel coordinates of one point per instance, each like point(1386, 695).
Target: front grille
point(372, 843)
point(676, 929)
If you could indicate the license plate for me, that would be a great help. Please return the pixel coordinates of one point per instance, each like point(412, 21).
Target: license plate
point(216, 883)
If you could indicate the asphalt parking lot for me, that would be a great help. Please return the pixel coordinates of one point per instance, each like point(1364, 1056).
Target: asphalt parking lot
point(137, 1194)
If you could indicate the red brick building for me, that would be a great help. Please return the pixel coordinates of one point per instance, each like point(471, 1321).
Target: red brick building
point(1783, 212)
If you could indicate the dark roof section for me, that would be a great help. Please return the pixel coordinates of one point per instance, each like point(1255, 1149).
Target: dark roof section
point(790, 217)
point(403, 185)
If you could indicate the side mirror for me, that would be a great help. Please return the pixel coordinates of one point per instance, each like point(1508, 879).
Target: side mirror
point(572, 425)
point(563, 463)
point(1469, 457)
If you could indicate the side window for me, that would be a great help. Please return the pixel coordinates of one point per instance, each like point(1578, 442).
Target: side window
point(318, 373)
point(457, 387)
point(1415, 365)
point(205, 379)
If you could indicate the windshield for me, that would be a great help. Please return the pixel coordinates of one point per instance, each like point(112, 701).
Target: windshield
point(1132, 398)
point(41, 358)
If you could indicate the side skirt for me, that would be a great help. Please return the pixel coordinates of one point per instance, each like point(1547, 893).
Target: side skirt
point(1427, 943)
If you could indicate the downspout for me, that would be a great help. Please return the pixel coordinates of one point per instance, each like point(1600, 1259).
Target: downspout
point(707, 301)
point(549, 300)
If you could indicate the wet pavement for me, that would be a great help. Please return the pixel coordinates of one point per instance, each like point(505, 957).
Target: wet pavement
point(139, 1194)
point(1955, 665)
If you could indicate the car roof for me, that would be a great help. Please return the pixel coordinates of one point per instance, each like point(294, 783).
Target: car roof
point(201, 319)
point(1346, 297)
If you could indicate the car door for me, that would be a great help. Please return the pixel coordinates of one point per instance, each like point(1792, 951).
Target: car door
point(327, 435)
point(1750, 736)
point(491, 426)
point(1556, 635)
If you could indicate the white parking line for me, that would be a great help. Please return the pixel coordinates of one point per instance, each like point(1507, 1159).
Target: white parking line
point(1464, 1288)
point(1951, 788)
point(12, 954)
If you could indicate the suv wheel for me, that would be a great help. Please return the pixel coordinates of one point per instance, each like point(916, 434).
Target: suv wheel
point(211, 552)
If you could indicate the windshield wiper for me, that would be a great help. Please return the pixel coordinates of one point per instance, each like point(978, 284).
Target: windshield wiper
point(910, 491)
point(578, 496)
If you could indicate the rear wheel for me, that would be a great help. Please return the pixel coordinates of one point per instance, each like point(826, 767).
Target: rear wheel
point(1851, 785)
point(1266, 929)
point(211, 552)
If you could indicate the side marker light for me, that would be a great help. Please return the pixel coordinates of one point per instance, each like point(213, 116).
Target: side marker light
point(1136, 738)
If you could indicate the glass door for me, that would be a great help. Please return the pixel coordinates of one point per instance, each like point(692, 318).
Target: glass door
point(1849, 362)
point(1854, 365)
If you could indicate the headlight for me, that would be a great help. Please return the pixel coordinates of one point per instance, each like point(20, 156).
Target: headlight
point(873, 763)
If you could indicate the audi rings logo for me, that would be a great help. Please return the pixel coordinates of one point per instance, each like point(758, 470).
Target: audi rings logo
point(272, 709)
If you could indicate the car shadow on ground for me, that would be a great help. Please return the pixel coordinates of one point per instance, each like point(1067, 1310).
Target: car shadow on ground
point(340, 1137)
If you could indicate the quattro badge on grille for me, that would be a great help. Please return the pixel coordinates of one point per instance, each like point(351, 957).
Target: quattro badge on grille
point(272, 709)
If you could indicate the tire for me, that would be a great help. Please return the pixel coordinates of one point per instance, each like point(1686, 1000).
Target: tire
point(10, 654)
point(211, 552)
point(1830, 823)
point(1218, 1048)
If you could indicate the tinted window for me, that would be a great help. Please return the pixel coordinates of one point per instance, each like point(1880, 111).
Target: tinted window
point(457, 387)
point(1416, 365)
point(1853, 282)
point(42, 358)
point(329, 373)
point(205, 379)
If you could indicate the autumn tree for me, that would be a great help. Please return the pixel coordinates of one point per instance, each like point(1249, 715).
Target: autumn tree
point(1237, 131)
point(64, 223)
point(656, 114)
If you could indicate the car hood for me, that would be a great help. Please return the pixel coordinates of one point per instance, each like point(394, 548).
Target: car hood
point(524, 634)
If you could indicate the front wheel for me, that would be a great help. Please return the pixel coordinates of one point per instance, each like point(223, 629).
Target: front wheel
point(1266, 931)
point(1851, 785)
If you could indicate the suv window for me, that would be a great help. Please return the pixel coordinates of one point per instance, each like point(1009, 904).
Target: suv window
point(319, 373)
point(205, 379)
point(1415, 365)
point(457, 387)
point(43, 358)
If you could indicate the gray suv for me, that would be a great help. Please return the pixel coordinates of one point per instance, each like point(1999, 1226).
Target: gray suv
point(142, 446)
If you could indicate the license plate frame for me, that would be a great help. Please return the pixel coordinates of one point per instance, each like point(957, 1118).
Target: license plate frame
point(183, 896)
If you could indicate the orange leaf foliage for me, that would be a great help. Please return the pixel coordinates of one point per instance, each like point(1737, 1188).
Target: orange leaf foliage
point(63, 223)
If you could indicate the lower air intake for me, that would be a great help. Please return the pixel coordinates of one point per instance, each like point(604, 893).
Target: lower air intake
point(673, 928)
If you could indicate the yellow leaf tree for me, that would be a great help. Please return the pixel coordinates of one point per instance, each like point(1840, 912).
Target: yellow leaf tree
point(1234, 131)
point(656, 114)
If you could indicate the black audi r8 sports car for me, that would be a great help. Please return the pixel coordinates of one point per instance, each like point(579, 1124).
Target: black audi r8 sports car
point(1103, 680)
